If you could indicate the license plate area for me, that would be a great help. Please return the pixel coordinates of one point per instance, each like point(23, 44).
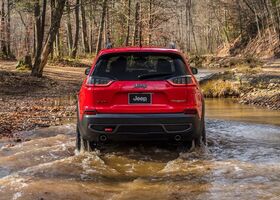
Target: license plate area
point(140, 98)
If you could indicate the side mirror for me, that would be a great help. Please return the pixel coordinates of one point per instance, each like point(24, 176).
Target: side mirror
point(87, 71)
point(194, 70)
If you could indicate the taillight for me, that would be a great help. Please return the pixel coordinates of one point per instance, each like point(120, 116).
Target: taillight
point(181, 81)
point(99, 81)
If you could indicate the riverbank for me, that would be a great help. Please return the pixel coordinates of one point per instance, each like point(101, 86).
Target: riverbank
point(255, 83)
point(27, 102)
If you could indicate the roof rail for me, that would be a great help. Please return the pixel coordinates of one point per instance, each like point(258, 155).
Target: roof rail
point(171, 45)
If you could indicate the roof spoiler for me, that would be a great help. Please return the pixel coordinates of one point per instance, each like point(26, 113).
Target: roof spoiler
point(171, 45)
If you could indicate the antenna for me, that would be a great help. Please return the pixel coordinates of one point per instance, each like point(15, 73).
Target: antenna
point(109, 45)
point(171, 45)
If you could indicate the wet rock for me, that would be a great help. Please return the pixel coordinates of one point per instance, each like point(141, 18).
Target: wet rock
point(17, 140)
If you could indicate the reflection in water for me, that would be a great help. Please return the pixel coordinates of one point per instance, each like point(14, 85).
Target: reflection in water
point(242, 161)
point(227, 110)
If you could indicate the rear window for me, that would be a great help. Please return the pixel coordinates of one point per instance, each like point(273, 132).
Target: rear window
point(140, 66)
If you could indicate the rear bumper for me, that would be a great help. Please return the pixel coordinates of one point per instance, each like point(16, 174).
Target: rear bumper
point(140, 127)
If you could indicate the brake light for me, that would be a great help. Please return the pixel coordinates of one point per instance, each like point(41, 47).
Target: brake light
point(99, 81)
point(181, 81)
point(109, 130)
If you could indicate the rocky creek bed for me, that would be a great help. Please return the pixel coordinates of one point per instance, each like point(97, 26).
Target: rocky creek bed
point(256, 85)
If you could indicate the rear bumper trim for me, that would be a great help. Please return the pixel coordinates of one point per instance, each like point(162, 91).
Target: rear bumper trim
point(163, 126)
point(140, 126)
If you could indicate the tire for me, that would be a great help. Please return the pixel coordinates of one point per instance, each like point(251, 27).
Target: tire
point(184, 147)
point(202, 140)
point(83, 144)
point(78, 139)
point(203, 134)
point(78, 134)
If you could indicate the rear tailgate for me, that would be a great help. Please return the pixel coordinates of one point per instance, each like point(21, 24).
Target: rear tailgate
point(161, 97)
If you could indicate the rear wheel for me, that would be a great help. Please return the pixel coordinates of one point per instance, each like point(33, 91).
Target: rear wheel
point(202, 140)
point(184, 146)
point(83, 144)
point(78, 139)
point(204, 137)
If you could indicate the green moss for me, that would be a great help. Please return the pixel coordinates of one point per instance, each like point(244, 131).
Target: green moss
point(21, 66)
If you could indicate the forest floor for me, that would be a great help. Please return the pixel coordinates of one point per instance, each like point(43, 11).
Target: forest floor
point(251, 82)
point(28, 103)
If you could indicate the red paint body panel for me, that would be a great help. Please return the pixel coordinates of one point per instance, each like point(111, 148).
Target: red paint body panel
point(166, 98)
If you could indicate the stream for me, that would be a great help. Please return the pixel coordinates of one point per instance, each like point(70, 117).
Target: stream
point(241, 161)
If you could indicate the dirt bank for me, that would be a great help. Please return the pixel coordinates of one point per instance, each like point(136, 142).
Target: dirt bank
point(256, 85)
point(27, 102)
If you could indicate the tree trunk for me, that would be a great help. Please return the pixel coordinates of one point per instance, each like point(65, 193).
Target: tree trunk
point(136, 25)
point(188, 19)
point(3, 38)
point(75, 46)
point(40, 27)
point(192, 28)
point(140, 25)
point(84, 25)
point(240, 18)
point(277, 18)
point(268, 9)
point(69, 28)
point(128, 23)
point(38, 69)
point(253, 10)
point(107, 28)
point(225, 26)
point(28, 29)
point(101, 27)
point(34, 40)
point(91, 25)
point(9, 28)
point(150, 22)
point(257, 22)
point(56, 46)
point(44, 10)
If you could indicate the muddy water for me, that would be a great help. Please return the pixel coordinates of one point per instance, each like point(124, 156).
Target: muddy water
point(242, 161)
point(226, 109)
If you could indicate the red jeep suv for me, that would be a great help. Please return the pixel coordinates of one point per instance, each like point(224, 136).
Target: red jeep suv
point(140, 94)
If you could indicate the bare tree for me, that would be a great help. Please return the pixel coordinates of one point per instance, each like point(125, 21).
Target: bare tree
point(37, 70)
point(136, 24)
point(101, 26)
point(77, 19)
point(39, 29)
point(128, 23)
point(84, 25)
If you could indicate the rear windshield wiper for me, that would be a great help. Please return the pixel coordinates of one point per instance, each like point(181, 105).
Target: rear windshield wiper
point(155, 75)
